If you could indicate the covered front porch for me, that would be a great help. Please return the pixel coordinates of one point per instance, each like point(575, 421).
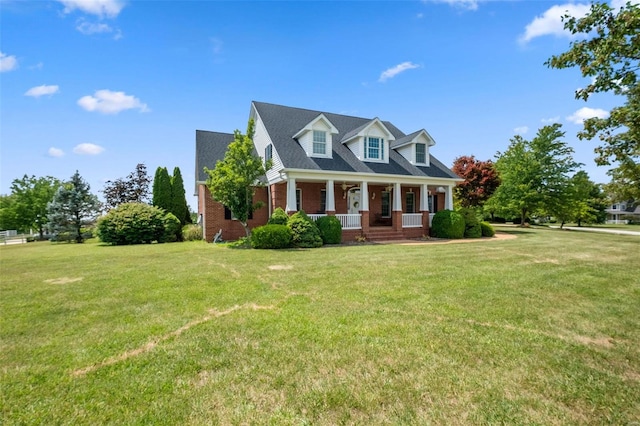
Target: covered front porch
point(374, 209)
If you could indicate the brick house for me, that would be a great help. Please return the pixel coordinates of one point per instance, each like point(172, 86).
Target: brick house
point(378, 181)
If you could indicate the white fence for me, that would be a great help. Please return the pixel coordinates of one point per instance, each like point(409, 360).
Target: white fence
point(350, 221)
point(412, 220)
point(315, 217)
point(618, 222)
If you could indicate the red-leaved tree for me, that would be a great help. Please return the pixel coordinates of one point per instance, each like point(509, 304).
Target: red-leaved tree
point(480, 180)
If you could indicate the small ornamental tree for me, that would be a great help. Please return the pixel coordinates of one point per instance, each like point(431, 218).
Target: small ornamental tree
point(480, 181)
point(234, 179)
point(73, 206)
point(132, 189)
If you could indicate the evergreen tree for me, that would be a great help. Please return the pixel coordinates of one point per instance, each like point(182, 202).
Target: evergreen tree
point(162, 189)
point(73, 206)
point(179, 206)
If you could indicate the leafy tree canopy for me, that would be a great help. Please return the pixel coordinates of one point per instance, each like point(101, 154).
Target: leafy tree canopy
point(235, 178)
point(26, 207)
point(609, 54)
point(534, 173)
point(480, 180)
point(73, 206)
point(132, 189)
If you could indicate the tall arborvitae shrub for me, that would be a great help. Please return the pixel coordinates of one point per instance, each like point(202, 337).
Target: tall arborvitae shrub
point(179, 206)
point(305, 232)
point(162, 189)
point(472, 227)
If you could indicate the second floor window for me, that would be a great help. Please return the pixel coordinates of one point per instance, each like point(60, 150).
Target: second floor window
point(421, 153)
point(319, 142)
point(374, 148)
point(268, 152)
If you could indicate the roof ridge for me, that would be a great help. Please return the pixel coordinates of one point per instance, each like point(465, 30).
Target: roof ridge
point(316, 111)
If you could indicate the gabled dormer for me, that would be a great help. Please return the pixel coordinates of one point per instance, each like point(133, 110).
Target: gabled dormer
point(370, 142)
point(316, 138)
point(415, 147)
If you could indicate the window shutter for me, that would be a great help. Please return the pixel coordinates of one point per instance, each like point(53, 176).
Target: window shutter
point(227, 213)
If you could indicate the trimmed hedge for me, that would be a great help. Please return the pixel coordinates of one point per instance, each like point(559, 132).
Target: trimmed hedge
point(330, 229)
point(132, 223)
point(448, 224)
point(278, 217)
point(172, 228)
point(305, 232)
point(472, 227)
point(271, 237)
point(192, 232)
point(487, 229)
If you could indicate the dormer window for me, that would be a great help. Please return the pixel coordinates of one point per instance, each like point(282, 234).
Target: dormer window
point(374, 148)
point(421, 153)
point(319, 142)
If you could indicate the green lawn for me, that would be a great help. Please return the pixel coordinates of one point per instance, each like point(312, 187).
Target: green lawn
point(540, 329)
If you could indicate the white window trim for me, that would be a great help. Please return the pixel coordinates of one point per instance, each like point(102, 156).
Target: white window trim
point(381, 149)
point(314, 142)
point(415, 155)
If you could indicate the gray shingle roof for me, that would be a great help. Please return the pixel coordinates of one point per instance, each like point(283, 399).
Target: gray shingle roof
point(283, 122)
point(210, 147)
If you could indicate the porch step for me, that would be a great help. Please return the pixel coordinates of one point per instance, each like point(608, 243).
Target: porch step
point(383, 233)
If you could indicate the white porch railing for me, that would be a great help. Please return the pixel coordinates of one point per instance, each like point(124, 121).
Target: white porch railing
point(617, 222)
point(431, 215)
point(315, 217)
point(350, 221)
point(412, 220)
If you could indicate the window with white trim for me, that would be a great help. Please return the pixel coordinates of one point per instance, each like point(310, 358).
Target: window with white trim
point(298, 199)
point(319, 142)
point(410, 202)
point(421, 153)
point(373, 148)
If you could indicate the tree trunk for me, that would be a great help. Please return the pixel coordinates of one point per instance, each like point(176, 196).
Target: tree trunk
point(523, 218)
point(561, 223)
point(247, 230)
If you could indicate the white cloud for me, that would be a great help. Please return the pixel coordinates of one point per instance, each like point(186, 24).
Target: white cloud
point(550, 22)
point(38, 91)
point(108, 102)
point(55, 152)
point(392, 72)
point(521, 130)
point(100, 8)
point(583, 113)
point(550, 120)
point(462, 4)
point(617, 4)
point(92, 28)
point(216, 45)
point(7, 63)
point(88, 149)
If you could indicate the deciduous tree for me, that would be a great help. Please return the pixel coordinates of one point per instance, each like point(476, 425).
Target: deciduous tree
point(534, 173)
point(132, 189)
point(609, 54)
point(29, 198)
point(73, 206)
point(234, 179)
point(480, 180)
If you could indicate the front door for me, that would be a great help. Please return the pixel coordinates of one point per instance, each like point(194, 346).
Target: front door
point(354, 201)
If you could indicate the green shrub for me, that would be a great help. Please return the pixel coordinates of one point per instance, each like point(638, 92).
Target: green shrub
point(172, 229)
point(472, 227)
point(192, 233)
point(132, 223)
point(487, 229)
point(271, 237)
point(240, 243)
point(330, 229)
point(278, 217)
point(448, 224)
point(305, 233)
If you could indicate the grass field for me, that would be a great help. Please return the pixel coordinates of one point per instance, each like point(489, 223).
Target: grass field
point(539, 329)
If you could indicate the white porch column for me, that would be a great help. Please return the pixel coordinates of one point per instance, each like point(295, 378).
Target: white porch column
point(449, 200)
point(331, 199)
point(397, 197)
point(364, 196)
point(424, 198)
point(291, 195)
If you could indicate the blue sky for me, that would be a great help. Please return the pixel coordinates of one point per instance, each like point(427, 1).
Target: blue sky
point(102, 85)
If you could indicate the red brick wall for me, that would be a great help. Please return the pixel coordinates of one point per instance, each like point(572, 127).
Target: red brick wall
point(213, 215)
